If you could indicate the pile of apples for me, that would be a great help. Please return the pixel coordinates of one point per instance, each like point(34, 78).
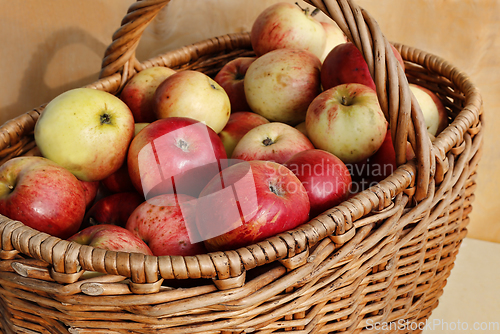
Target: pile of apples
point(181, 164)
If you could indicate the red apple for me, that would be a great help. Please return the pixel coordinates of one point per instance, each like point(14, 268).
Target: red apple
point(42, 195)
point(111, 237)
point(435, 115)
point(139, 91)
point(325, 177)
point(284, 25)
point(195, 95)
point(345, 64)
point(249, 202)
point(238, 125)
point(119, 181)
point(281, 84)
point(114, 209)
point(90, 191)
point(230, 77)
point(383, 163)
point(175, 152)
point(276, 142)
point(161, 223)
point(347, 121)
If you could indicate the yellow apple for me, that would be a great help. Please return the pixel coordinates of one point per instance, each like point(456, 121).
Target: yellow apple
point(194, 95)
point(86, 131)
point(435, 116)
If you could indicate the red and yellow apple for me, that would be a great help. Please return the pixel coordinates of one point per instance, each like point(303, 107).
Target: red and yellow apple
point(274, 141)
point(139, 91)
point(281, 84)
point(347, 121)
point(42, 195)
point(111, 237)
point(284, 25)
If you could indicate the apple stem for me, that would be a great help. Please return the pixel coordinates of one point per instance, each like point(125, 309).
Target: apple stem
point(305, 10)
point(275, 190)
point(105, 119)
point(268, 141)
point(183, 145)
point(344, 101)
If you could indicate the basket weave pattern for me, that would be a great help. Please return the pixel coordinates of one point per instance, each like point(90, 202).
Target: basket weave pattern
point(382, 256)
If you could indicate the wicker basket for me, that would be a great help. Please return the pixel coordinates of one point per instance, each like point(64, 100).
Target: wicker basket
point(382, 256)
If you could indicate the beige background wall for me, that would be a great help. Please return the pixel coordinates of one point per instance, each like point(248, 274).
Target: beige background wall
point(51, 46)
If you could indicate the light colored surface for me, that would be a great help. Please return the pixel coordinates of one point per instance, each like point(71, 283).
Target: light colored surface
point(51, 46)
point(48, 47)
point(471, 298)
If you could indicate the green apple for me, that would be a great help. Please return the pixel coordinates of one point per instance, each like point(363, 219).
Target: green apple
point(86, 131)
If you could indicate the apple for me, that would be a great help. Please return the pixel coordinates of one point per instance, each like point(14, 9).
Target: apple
point(275, 141)
point(249, 202)
point(281, 84)
point(139, 91)
point(345, 64)
point(347, 121)
point(334, 37)
point(42, 195)
point(161, 223)
point(175, 152)
point(90, 191)
point(238, 125)
point(284, 25)
point(195, 95)
point(231, 78)
point(86, 131)
point(138, 127)
point(302, 128)
point(114, 209)
point(433, 110)
point(383, 163)
point(119, 181)
point(324, 176)
point(111, 237)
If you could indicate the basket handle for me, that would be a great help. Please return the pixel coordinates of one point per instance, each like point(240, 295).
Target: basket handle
point(119, 56)
point(398, 103)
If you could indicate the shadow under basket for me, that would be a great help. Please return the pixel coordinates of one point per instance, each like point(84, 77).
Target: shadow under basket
point(381, 257)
